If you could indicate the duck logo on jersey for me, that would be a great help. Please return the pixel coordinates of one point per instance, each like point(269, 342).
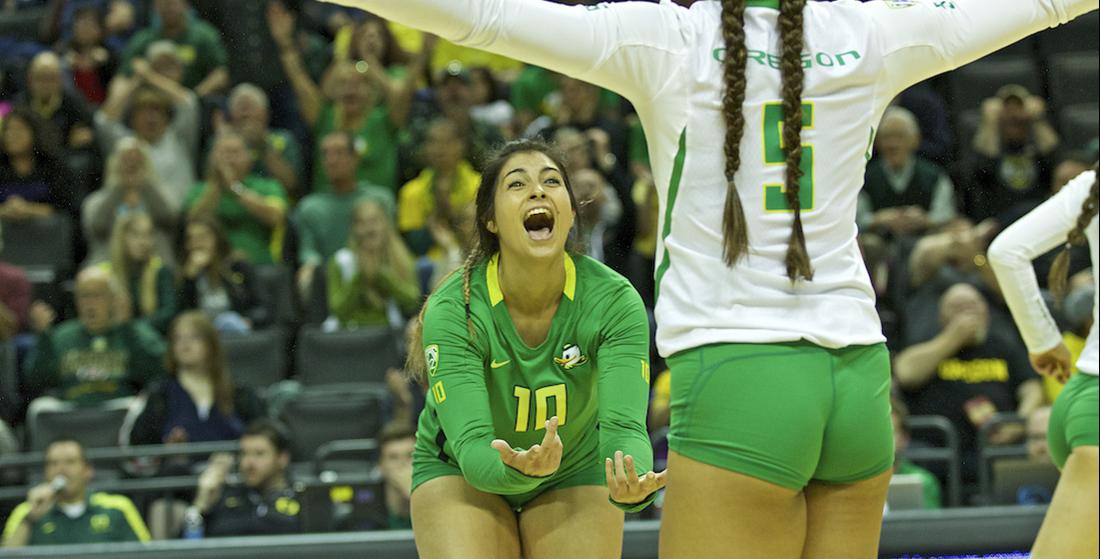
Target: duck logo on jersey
point(570, 357)
point(431, 358)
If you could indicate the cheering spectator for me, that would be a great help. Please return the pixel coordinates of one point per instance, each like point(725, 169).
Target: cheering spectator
point(33, 181)
point(60, 511)
point(251, 209)
point(390, 510)
point(217, 282)
point(364, 103)
point(275, 151)
point(903, 193)
point(374, 269)
point(1011, 163)
point(324, 218)
point(99, 355)
point(205, 57)
point(130, 185)
point(440, 192)
point(161, 113)
point(150, 282)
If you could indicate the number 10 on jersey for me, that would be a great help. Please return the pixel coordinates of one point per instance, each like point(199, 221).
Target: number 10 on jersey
point(542, 398)
point(775, 199)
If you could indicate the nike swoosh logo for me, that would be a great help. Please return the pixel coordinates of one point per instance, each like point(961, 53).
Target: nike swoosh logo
point(496, 365)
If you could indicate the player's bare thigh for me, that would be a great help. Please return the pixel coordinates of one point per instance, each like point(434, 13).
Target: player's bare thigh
point(570, 523)
point(1069, 529)
point(720, 514)
point(452, 520)
point(845, 520)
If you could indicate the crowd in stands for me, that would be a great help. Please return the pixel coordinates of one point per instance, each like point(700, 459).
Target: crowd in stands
point(271, 169)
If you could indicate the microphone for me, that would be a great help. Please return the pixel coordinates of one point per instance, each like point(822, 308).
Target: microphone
point(58, 483)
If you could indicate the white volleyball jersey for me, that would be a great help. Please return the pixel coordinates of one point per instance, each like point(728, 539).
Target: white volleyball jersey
point(667, 61)
point(1011, 253)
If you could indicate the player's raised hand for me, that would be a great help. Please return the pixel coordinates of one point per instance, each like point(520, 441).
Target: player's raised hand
point(1056, 363)
point(538, 461)
point(624, 484)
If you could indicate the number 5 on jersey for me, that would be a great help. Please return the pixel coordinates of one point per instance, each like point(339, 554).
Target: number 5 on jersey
point(775, 199)
point(542, 405)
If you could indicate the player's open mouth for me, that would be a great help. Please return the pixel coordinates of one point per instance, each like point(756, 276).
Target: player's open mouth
point(539, 223)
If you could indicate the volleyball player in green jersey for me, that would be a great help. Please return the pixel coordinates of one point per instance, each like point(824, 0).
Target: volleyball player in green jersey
point(759, 117)
point(531, 347)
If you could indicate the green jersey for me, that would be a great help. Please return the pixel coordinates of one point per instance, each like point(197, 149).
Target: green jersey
point(105, 518)
point(591, 371)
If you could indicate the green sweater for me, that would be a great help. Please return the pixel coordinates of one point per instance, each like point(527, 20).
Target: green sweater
point(70, 363)
point(591, 371)
point(107, 519)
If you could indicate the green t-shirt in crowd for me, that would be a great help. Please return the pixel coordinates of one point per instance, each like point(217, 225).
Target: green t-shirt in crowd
point(200, 49)
point(106, 518)
point(376, 141)
point(324, 220)
point(72, 364)
point(591, 371)
point(259, 243)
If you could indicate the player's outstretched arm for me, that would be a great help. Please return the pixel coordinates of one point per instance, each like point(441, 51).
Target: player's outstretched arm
point(456, 385)
point(632, 48)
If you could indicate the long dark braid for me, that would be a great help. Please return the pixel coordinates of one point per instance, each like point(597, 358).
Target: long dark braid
point(790, 32)
point(735, 236)
point(1059, 270)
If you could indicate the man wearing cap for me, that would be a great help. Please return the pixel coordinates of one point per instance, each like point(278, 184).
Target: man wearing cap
point(1012, 153)
point(60, 511)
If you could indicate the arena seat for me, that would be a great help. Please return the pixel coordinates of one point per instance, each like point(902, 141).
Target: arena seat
point(1079, 124)
point(319, 414)
point(1073, 78)
point(360, 355)
point(256, 359)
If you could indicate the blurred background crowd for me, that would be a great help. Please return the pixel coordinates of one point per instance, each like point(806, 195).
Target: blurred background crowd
point(217, 218)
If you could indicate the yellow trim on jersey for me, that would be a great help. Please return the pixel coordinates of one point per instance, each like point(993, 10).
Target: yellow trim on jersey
point(15, 520)
point(492, 280)
point(124, 505)
point(570, 288)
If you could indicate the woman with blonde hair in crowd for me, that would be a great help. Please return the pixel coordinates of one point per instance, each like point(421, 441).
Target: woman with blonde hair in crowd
point(374, 269)
point(149, 281)
point(130, 184)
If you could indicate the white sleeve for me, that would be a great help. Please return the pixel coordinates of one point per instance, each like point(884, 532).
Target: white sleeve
point(1011, 253)
point(632, 48)
point(921, 38)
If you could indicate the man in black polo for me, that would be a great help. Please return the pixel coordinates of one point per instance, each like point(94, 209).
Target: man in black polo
point(264, 503)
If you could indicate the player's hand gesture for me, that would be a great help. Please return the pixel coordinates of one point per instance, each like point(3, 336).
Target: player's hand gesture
point(1055, 363)
point(540, 460)
point(624, 484)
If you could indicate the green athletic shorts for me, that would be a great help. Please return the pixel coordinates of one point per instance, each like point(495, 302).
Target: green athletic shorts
point(786, 413)
point(428, 468)
point(1073, 419)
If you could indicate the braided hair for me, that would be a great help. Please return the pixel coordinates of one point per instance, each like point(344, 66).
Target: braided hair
point(735, 238)
point(1059, 270)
